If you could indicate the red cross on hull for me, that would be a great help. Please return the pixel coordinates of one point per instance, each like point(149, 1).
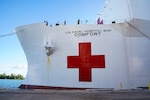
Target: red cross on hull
point(85, 62)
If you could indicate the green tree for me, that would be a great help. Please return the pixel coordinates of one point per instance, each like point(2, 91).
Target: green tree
point(19, 76)
point(11, 76)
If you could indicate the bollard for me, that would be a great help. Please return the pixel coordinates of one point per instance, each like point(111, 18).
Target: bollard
point(149, 86)
point(121, 86)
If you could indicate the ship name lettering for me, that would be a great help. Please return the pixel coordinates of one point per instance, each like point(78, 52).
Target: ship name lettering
point(106, 30)
point(79, 33)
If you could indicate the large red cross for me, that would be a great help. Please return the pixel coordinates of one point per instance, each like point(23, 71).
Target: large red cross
point(85, 62)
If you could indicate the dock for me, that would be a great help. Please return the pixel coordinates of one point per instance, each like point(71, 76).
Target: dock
point(38, 94)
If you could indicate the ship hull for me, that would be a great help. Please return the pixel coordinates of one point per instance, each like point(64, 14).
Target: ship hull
point(118, 56)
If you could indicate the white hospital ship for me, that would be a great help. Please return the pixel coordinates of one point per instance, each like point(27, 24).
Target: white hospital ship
point(113, 53)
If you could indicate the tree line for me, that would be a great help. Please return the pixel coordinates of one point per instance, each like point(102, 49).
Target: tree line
point(11, 76)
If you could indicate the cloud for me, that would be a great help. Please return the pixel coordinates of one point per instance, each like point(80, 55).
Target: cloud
point(5, 66)
point(15, 69)
point(19, 66)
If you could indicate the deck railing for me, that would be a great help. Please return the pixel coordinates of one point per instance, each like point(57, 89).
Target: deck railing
point(65, 22)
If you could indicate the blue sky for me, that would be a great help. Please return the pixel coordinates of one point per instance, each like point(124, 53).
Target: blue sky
point(15, 13)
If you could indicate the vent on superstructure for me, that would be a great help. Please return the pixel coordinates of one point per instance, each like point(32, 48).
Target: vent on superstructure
point(113, 22)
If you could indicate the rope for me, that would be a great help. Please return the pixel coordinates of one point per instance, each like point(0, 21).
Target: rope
point(7, 34)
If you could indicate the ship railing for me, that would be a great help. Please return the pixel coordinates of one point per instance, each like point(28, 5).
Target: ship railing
point(65, 22)
point(123, 20)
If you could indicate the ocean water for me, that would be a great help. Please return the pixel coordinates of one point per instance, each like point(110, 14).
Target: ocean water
point(10, 84)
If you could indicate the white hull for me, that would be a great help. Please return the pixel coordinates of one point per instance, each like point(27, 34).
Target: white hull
point(125, 50)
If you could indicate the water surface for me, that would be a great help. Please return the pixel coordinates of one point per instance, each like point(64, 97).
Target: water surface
point(10, 84)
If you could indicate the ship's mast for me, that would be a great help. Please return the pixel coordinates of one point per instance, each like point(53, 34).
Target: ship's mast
point(129, 8)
